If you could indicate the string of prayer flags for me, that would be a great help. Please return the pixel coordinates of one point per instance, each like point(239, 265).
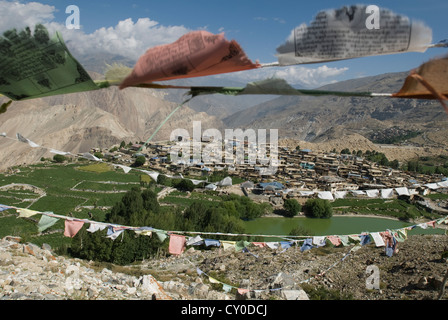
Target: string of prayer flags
point(353, 32)
point(35, 65)
point(195, 54)
point(388, 239)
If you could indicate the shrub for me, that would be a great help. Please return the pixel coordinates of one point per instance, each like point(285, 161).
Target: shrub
point(59, 158)
point(292, 207)
point(318, 208)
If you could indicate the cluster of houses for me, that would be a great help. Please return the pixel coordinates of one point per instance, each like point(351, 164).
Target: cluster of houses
point(298, 173)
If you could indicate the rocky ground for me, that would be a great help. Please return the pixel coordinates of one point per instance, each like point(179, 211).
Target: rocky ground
point(415, 272)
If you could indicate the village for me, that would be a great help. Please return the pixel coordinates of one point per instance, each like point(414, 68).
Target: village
point(299, 173)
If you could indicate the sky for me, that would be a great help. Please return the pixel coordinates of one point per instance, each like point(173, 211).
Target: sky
point(129, 28)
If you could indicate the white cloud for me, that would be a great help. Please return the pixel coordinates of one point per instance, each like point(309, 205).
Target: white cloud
point(127, 38)
point(19, 15)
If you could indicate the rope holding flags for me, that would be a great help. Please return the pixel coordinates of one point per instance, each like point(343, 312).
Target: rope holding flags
point(42, 66)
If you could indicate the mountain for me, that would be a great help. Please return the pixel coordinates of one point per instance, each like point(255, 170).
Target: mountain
point(319, 119)
point(217, 105)
point(77, 122)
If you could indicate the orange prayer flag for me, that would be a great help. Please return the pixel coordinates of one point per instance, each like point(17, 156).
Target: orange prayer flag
point(195, 54)
point(429, 81)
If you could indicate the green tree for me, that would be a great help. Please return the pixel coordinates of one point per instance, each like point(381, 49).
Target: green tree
point(394, 164)
point(139, 161)
point(292, 207)
point(185, 185)
point(318, 208)
point(137, 209)
point(59, 158)
point(164, 180)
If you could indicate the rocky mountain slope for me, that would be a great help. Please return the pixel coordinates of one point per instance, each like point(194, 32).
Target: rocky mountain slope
point(319, 119)
point(80, 121)
point(415, 272)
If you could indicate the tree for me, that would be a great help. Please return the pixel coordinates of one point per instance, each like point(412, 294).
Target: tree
point(59, 158)
point(185, 185)
point(394, 164)
point(164, 180)
point(292, 207)
point(139, 161)
point(318, 208)
point(137, 209)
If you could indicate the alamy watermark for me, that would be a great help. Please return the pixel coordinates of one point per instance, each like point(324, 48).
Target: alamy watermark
point(73, 20)
point(373, 277)
point(238, 147)
point(373, 20)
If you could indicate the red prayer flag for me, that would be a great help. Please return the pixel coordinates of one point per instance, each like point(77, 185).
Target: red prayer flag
point(72, 227)
point(195, 54)
point(177, 244)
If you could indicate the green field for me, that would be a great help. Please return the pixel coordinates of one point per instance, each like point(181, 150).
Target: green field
point(66, 187)
point(76, 189)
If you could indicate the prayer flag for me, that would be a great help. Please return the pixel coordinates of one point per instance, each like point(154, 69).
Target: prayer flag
point(434, 73)
point(339, 34)
point(177, 244)
point(3, 207)
point(26, 213)
point(34, 66)
point(25, 140)
point(72, 227)
point(242, 291)
point(213, 280)
point(379, 241)
point(336, 241)
point(46, 222)
point(94, 227)
point(228, 244)
point(114, 232)
point(195, 54)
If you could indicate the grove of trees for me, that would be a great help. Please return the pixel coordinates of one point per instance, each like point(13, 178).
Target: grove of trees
point(141, 209)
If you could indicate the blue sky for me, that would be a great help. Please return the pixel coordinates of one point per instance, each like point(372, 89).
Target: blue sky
point(259, 26)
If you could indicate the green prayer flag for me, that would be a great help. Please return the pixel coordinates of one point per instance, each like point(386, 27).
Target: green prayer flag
point(46, 222)
point(240, 245)
point(161, 235)
point(35, 65)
